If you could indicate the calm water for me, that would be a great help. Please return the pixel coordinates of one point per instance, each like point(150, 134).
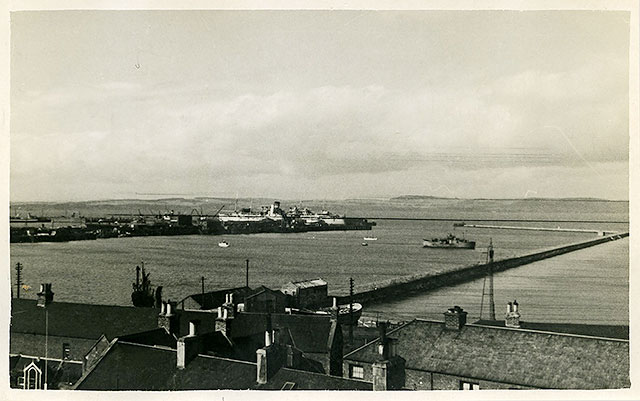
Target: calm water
point(102, 271)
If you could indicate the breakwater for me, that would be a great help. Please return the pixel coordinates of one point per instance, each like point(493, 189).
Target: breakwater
point(407, 286)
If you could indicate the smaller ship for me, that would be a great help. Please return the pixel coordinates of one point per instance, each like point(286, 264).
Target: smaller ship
point(223, 244)
point(370, 238)
point(143, 294)
point(365, 244)
point(450, 242)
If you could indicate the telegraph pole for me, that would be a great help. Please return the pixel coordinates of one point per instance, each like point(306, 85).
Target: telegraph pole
point(351, 310)
point(18, 278)
point(247, 281)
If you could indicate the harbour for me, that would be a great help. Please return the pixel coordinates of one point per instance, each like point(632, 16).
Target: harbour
point(179, 262)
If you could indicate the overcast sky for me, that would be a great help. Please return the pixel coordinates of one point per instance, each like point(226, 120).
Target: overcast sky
point(319, 104)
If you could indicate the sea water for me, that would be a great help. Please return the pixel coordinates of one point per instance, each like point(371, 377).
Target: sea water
point(595, 279)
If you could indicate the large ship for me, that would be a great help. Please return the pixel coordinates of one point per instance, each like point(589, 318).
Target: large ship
point(450, 242)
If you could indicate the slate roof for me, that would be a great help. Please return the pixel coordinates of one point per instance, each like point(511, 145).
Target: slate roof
point(291, 379)
point(516, 356)
point(595, 330)
point(309, 333)
point(80, 320)
point(127, 366)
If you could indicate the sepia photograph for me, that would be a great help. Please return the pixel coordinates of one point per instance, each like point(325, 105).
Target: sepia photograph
point(320, 197)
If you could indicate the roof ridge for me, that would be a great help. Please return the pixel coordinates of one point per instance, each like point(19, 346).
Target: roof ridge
point(585, 336)
point(227, 359)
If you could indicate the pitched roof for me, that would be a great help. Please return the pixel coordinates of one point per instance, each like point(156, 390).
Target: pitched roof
point(127, 366)
point(310, 333)
point(80, 320)
point(516, 356)
point(262, 289)
point(213, 299)
point(291, 379)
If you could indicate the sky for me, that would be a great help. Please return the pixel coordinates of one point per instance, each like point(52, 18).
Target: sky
point(319, 104)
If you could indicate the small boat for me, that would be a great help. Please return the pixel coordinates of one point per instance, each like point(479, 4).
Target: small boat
point(223, 244)
point(370, 238)
point(450, 242)
point(365, 244)
point(343, 312)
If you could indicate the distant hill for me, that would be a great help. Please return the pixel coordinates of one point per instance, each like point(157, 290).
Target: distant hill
point(429, 197)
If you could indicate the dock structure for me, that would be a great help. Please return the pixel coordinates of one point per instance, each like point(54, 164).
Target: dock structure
point(419, 283)
point(600, 233)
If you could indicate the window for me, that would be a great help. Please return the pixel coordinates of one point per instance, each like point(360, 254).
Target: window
point(464, 385)
point(356, 372)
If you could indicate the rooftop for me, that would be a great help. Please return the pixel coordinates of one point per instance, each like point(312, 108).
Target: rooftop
point(127, 366)
point(512, 356)
point(291, 379)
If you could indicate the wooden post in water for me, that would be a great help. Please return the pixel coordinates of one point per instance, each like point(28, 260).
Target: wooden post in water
point(202, 279)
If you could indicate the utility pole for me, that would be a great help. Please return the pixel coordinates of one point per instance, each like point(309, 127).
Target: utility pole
point(202, 279)
point(247, 281)
point(350, 310)
point(18, 278)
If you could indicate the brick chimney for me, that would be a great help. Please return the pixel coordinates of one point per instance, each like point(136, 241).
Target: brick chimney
point(455, 318)
point(169, 319)
point(225, 318)
point(512, 318)
point(389, 369)
point(45, 296)
point(189, 346)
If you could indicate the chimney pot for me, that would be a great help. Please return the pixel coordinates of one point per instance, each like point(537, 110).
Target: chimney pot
point(169, 308)
point(163, 308)
point(267, 338)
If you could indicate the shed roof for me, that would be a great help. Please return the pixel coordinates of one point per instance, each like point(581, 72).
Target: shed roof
point(506, 355)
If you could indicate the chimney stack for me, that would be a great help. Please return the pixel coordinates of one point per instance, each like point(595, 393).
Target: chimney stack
point(225, 317)
point(189, 346)
point(455, 318)
point(389, 370)
point(512, 318)
point(334, 310)
point(45, 296)
point(168, 319)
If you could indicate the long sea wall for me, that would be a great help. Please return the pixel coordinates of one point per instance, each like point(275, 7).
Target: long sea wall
point(408, 285)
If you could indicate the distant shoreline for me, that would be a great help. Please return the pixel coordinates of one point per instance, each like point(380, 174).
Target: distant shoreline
point(264, 199)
